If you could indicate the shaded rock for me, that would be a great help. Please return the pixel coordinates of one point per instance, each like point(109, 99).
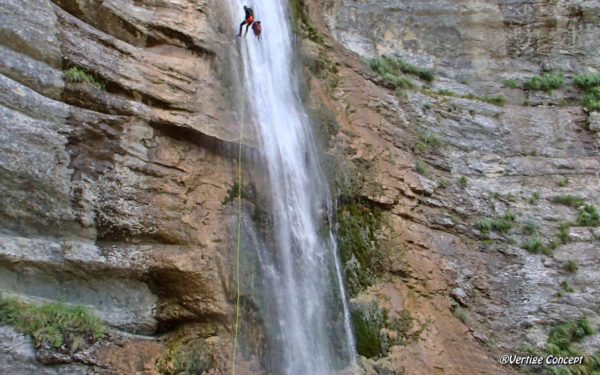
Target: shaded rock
point(594, 122)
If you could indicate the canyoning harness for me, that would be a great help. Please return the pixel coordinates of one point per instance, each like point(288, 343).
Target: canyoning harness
point(249, 19)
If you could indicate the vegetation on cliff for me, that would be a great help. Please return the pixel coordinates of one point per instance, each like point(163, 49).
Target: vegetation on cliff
point(76, 74)
point(546, 82)
point(590, 84)
point(56, 326)
point(393, 71)
point(376, 332)
point(358, 223)
point(562, 340)
point(189, 352)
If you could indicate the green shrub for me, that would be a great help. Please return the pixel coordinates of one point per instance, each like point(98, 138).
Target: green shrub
point(421, 168)
point(502, 224)
point(564, 182)
point(484, 225)
point(372, 326)
point(590, 84)
point(569, 200)
point(566, 287)
point(79, 75)
point(534, 246)
point(446, 92)
point(399, 82)
point(547, 82)
point(588, 217)
point(563, 336)
point(461, 314)
point(463, 181)
point(431, 140)
point(511, 83)
point(530, 228)
point(443, 184)
point(592, 99)
point(561, 343)
point(571, 266)
point(392, 70)
point(587, 81)
point(357, 226)
point(535, 198)
point(563, 232)
point(498, 100)
point(57, 326)
point(397, 66)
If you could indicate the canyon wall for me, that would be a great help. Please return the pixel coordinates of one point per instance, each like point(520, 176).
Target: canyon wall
point(118, 132)
point(118, 126)
point(440, 159)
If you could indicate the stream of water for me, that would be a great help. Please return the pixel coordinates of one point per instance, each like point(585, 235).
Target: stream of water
point(307, 313)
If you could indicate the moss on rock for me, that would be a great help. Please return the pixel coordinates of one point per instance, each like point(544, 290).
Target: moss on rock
point(302, 22)
point(191, 352)
point(358, 224)
point(376, 332)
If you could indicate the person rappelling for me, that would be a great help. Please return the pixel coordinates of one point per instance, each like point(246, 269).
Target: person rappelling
point(257, 28)
point(248, 21)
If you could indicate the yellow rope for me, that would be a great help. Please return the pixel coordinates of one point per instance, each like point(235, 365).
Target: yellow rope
point(239, 225)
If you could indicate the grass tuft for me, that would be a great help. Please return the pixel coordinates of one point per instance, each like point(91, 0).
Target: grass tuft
point(563, 233)
point(547, 82)
point(498, 100)
point(571, 266)
point(393, 70)
point(76, 74)
point(535, 246)
point(421, 168)
point(502, 224)
point(590, 84)
point(428, 141)
point(564, 182)
point(588, 217)
point(57, 326)
point(530, 228)
point(443, 184)
point(591, 100)
point(569, 200)
point(587, 81)
point(511, 83)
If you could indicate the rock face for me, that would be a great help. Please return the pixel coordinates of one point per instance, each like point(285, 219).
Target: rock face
point(438, 160)
point(472, 40)
point(115, 124)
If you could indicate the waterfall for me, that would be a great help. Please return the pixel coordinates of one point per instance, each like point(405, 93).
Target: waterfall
point(307, 313)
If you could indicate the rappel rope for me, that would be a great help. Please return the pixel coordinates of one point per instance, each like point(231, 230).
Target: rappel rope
point(239, 225)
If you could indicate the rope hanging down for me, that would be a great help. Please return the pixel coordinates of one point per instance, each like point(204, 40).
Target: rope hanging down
point(239, 225)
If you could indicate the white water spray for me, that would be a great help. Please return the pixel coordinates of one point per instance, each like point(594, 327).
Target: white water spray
point(302, 271)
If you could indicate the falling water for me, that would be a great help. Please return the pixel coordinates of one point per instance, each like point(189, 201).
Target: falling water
point(307, 312)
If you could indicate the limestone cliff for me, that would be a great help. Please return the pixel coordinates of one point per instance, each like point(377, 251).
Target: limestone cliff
point(474, 172)
point(460, 188)
point(115, 124)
